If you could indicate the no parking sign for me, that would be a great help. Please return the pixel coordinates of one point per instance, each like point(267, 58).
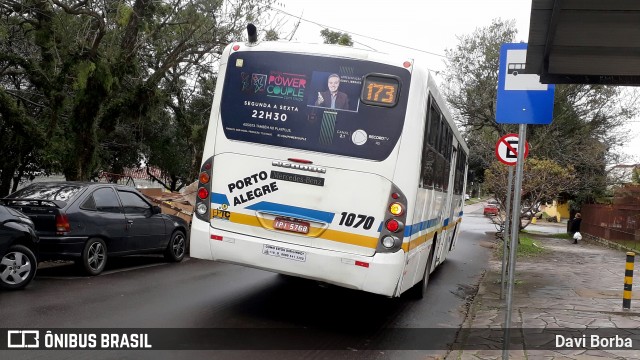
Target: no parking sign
point(507, 149)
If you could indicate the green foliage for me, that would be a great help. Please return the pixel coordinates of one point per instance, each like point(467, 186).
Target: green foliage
point(88, 82)
point(83, 70)
point(542, 181)
point(635, 175)
point(585, 123)
point(123, 15)
point(470, 88)
point(336, 37)
point(271, 35)
point(527, 247)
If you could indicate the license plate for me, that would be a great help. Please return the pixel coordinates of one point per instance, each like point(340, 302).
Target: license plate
point(301, 227)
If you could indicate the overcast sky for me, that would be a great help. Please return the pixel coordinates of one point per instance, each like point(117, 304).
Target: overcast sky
point(420, 29)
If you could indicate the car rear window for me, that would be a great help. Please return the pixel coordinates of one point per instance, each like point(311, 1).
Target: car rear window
point(284, 99)
point(62, 192)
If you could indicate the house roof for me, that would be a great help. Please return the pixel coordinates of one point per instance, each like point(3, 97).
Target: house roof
point(585, 41)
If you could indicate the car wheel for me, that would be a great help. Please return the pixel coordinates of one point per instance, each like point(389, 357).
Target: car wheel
point(17, 267)
point(94, 256)
point(177, 247)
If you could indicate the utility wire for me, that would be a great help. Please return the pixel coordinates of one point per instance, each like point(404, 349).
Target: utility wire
point(353, 33)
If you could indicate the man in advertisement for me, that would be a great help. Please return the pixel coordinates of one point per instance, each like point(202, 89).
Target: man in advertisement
point(333, 98)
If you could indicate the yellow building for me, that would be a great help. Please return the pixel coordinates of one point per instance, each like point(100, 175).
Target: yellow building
point(556, 209)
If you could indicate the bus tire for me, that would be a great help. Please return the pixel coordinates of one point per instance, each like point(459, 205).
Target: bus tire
point(420, 289)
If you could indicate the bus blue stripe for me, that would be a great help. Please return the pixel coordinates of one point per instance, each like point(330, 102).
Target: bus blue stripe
point(411, 230)
point(293, 211)
point(218, 198)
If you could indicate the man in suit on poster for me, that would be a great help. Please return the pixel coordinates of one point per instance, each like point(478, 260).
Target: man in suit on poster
point(333, 98)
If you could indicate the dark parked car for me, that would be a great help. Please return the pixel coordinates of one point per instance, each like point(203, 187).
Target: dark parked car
point(18, 249)
point(88, 222)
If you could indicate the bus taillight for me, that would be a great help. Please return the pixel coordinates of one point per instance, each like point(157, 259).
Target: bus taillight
point(393, 225)
point(393, 228)
point(396, 209)
point(389, 242)
point(203, 193)
point(203, 201)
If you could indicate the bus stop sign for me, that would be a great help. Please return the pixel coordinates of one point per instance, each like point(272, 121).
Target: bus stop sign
point(521, 98)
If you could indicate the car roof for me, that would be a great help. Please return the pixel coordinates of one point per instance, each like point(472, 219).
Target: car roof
point(78, 183)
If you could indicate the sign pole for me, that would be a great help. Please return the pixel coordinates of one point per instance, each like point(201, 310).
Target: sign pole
point(505, 235)
point(515, 229)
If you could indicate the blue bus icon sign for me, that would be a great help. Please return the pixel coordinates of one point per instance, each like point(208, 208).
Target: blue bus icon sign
point(521, 99)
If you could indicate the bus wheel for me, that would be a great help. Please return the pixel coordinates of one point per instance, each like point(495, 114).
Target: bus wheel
point(420, 289)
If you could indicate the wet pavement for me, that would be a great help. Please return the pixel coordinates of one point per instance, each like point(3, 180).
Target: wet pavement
point(567, 304)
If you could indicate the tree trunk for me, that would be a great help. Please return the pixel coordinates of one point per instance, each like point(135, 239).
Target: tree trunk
point(5, 179)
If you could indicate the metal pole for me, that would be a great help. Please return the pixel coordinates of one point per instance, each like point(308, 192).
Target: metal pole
point(505, 236)
point(515, 228)
point(628, 281)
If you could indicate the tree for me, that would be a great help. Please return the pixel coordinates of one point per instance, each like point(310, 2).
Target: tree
point(336, 37)
point(584, 123)
point(82, 79)
point(635, 175)
point(542, 181)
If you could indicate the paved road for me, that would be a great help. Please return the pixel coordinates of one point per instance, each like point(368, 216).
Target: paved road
point(146, 292)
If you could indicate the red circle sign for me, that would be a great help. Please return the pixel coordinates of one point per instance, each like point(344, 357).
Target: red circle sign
point(507, 149)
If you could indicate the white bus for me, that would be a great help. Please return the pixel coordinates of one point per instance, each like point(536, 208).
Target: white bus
point(362, 189)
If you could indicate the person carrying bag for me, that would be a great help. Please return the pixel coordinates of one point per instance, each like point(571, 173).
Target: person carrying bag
point(575, 228)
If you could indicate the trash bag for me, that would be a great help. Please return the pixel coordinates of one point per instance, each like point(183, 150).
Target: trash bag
point(577, 236)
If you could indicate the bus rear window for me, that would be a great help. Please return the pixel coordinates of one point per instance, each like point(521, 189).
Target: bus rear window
point(314, 103)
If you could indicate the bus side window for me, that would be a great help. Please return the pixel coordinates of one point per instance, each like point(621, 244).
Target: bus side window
point(442, 149)
point(457, 182)
point(434, 123)
point(446, 153)
point(445, 175)
point(439, 172)
point(425, 166)
point(428, 167)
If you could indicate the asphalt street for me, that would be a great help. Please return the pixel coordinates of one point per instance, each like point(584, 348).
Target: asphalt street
point(146, 292)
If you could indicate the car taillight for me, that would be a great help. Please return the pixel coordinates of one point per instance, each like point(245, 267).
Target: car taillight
point(62, 223)
point(203, 200)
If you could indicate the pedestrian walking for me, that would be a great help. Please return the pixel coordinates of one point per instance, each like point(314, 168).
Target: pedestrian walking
point(575, 228)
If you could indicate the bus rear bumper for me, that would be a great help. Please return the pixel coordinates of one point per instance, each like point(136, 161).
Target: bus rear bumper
point(377, 274)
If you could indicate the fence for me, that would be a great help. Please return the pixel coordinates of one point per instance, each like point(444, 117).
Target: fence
point(618, 223)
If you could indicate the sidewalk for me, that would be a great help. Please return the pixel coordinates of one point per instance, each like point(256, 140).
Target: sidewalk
point(568, 287)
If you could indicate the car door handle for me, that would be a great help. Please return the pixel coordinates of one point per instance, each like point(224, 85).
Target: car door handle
point(129, 221)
